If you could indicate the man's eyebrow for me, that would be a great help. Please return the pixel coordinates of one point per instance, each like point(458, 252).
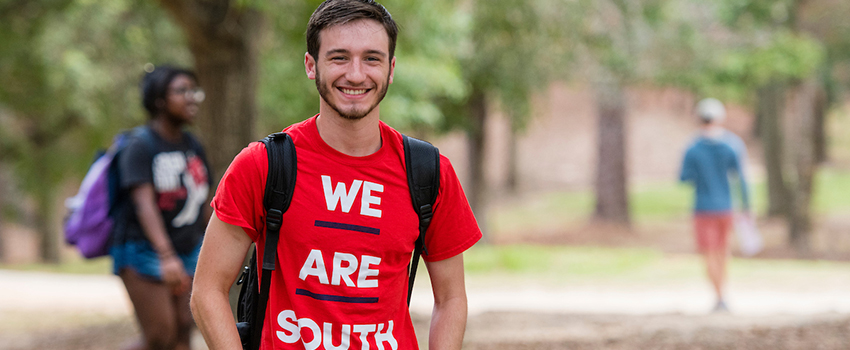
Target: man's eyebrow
point(336, 51)
point(377, 52)
point(344, 51)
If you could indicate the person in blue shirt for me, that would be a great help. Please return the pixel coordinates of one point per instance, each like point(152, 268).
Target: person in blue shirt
point(714, 160)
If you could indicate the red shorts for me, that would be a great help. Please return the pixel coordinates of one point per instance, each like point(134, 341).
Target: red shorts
point(712, 230)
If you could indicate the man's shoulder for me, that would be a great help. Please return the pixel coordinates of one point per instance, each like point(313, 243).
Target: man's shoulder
point(730, 136)
point(733, 140)
point(388, 130)
point(300, 129)
point(251, 155)
point(694, 144)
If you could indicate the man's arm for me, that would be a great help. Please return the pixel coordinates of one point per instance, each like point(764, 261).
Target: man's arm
point(687, 173)
point(219, 263)
point(740, 169)
point(448, 319)
point(150, 218)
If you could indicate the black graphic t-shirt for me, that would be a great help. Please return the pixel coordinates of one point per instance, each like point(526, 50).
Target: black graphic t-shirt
point(178, 172)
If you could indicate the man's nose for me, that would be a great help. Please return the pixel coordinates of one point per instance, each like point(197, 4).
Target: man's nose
point(355, 73)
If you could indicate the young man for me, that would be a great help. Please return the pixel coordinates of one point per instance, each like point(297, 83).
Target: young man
point(347, 237)
point(714, 156)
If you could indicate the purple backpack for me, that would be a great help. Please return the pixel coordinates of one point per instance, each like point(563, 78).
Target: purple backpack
point(90, 221)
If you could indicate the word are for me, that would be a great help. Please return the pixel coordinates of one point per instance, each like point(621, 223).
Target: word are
point(365, 334)
point(344, 265)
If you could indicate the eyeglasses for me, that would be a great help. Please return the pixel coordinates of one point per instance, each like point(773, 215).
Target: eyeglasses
point(196, 94)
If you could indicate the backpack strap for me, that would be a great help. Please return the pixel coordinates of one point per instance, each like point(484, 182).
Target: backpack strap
point(422, 161)
point(280, 185)
point(121, 208)
point(144, 133)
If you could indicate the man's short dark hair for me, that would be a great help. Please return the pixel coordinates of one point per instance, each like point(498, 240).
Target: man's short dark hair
point(155, 83)
point(336, 12)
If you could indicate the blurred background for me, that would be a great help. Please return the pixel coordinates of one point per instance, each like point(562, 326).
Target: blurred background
point(566, 121)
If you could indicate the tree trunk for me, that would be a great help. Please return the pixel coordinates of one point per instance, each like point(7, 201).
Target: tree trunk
point(477, 107)
point(804, 102)
point(4, 203)
point(49, 245)
point(512, 181)
point(821, 109)
point(223, 41)
point(770, 110)
point(612, 203)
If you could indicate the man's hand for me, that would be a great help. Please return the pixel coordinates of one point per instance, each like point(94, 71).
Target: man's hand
point(174, 274)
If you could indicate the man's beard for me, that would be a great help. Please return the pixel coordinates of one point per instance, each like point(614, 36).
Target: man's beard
point(324, 92)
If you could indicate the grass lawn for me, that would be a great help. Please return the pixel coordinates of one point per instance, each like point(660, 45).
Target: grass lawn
point(651, 203)
point(72, 265)
point(637, 266)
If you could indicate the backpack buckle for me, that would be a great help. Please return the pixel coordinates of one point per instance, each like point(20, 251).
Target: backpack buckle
point(426, 212)
point(244, 275)
point(273, 219)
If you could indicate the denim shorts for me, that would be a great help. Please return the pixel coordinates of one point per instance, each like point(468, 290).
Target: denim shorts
point(142, 258)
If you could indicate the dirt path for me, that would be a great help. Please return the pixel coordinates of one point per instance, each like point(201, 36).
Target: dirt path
point(52, 311)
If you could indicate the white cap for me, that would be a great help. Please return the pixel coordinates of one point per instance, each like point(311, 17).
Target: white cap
point(711, 109)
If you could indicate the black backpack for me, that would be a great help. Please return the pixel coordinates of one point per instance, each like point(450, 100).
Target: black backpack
point(423, 178)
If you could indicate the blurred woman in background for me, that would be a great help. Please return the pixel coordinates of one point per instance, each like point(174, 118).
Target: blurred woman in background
point(164, 174)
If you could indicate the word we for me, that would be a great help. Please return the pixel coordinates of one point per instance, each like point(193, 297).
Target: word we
point(339, 195)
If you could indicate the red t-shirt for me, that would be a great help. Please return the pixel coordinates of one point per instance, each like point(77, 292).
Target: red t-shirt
point(345, 242)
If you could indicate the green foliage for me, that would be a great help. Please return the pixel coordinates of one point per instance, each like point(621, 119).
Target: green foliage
point(739, 45)
point(71, 73)
point(285, 95)
point(734, 73)
point(427, 69)
point(70, 70)
point(625, 41)
point(787, 57)
point(748, 13)
point(512, 49)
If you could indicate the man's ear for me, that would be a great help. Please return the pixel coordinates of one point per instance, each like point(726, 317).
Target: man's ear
point(310, 66)
point(159, 103)
point(392, 69)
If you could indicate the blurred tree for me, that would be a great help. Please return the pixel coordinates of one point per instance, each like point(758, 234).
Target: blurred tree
point(509, 54)
point(617, 42)
point(751, 51)
point(4, 207)
point(70, 70)
point(794, 58)
point(223, 37)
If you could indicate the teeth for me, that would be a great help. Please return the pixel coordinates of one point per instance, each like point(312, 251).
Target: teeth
point(353, 92)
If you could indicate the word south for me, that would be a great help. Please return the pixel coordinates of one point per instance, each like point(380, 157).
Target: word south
point(334, 337)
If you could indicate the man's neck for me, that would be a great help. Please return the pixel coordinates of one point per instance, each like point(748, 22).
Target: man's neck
point(712, 130)
point(167, 130)
point(356, 138)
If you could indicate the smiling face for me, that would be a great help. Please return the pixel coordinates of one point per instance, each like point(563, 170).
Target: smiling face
point(353, 69)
